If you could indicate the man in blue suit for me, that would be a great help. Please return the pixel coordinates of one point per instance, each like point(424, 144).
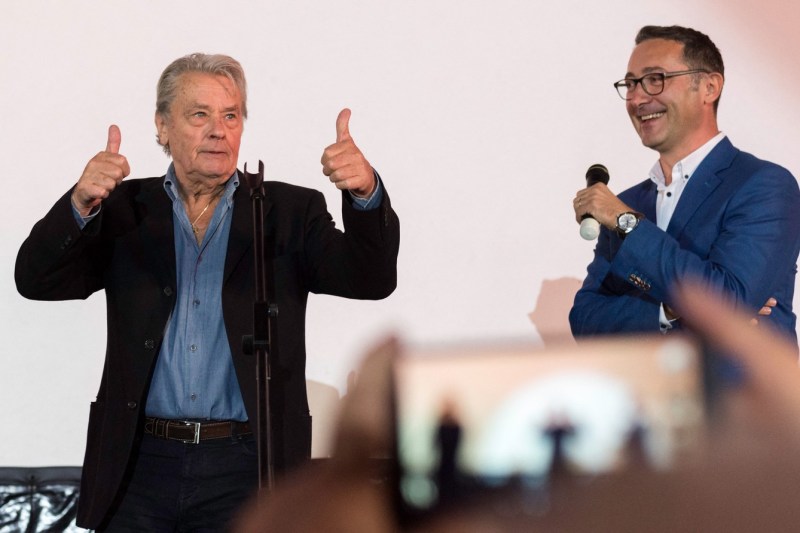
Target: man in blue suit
point(708, 210)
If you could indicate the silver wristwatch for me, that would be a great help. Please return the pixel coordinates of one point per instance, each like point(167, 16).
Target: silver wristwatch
point(627, 222)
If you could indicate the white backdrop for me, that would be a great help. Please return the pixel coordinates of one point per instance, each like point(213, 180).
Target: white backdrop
point(481, 116)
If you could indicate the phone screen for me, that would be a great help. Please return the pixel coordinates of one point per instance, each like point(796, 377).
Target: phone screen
point(472, 419)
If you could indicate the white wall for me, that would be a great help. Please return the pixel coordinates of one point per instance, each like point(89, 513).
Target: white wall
point(481, 116)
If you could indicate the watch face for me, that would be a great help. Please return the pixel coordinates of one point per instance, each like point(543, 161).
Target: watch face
point(627, 221)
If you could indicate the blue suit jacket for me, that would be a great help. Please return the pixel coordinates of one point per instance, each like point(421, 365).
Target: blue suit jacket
point(736, 228)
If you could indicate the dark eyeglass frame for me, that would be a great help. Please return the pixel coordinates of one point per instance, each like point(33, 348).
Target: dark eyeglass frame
point(624, 91)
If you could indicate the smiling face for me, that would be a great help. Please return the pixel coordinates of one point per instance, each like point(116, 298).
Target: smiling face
point(681, 119)
point(203, 128)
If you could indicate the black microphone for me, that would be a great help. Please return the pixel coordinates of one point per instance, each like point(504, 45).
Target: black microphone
point(590, 228)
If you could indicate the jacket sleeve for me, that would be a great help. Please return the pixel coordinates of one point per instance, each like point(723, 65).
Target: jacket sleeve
point(361, 261)
point(608, 304)
point(56, 261)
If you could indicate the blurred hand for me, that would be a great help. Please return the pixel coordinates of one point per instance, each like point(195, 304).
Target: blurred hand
point(767, 405)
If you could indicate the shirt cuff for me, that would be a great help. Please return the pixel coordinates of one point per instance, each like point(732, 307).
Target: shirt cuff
point(664, 323)
point(374, 200)
point(83, 220)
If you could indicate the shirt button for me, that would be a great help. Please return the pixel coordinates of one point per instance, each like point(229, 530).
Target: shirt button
point(196, 303)
point(193, 397)
point(193, 347)
point(669, 194)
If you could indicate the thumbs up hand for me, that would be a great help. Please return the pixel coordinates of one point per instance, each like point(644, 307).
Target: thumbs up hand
point(344, 164)
point(102, 175)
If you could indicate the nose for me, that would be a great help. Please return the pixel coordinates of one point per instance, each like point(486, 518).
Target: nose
point(638, 96)
point(216, 127)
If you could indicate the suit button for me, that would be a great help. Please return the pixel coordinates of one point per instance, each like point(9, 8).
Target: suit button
point(132, 405)
point(167, 291)
point(149, 344)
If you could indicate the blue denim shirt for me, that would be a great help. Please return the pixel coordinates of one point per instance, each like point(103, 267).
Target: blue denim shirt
point(194, 376)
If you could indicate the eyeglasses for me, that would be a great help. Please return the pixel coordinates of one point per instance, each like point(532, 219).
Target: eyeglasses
point(652, 83)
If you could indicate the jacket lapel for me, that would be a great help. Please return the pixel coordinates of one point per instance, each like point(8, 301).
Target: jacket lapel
point(647, 200)
point(157, 231)
point(702, 183)
point(240, 239)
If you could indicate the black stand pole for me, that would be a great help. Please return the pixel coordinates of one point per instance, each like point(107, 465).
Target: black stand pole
point(260, 343)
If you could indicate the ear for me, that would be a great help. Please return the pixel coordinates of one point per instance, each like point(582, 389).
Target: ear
point(161, 129)
point(712, 85)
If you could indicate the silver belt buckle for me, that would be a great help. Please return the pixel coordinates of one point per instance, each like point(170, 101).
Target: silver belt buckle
point(196, 438)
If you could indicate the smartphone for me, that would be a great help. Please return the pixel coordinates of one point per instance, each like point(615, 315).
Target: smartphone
point(476, 419)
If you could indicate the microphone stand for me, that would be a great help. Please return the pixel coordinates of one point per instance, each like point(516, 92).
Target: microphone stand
point(260, 343)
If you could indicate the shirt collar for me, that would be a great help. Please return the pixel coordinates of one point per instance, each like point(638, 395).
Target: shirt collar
point(686, 166)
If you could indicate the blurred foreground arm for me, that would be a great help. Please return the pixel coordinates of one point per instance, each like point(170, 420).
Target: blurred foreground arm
point(340, 496)
point(772, 384)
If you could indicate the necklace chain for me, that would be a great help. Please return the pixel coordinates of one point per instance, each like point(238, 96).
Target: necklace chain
point(195, 229)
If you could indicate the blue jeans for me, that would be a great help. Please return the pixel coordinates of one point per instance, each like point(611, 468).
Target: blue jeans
point(177, 487)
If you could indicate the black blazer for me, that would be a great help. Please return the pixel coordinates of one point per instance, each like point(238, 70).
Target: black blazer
point(129, 251)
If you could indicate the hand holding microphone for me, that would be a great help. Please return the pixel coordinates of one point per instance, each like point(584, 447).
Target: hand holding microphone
point(590, 227)
point(596, 204)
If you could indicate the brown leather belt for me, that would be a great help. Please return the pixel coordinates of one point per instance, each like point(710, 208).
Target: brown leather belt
point(193, 432)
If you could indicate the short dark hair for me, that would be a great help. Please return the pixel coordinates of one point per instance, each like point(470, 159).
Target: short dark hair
point(699, 51)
